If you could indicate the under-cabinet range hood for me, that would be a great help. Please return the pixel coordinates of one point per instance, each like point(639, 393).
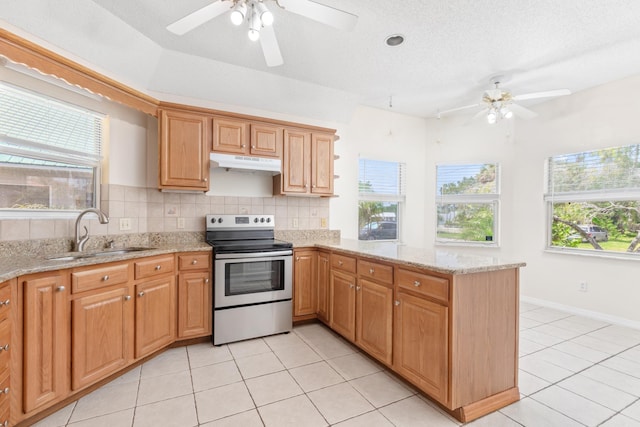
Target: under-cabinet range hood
point(238, 162)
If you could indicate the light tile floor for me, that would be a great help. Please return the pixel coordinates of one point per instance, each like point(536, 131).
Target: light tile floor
point(574, 371)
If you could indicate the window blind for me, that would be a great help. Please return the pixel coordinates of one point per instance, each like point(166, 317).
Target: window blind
point(381, 178)
point(467, 179)
point(39, 127)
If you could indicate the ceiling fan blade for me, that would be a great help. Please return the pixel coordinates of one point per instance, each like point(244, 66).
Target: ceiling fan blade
point(318, 12)
point(199, 17)
point(546, 94)
point(458, 109)
point(270, 47)
point(521, 111)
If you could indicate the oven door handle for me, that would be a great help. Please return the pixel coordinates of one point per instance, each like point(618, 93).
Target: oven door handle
point(253, 255)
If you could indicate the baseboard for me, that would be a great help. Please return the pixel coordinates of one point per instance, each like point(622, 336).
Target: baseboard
point(582, 312)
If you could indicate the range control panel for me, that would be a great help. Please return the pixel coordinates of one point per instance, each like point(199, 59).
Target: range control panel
point(216, 222)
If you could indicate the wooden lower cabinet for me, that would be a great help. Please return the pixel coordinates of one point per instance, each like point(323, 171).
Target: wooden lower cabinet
point(374, 319)
point(46, 337)
point(343, 304)
point(194, 304)
point(102, 335)
point(322, 286)
point(304, 279)
point(420, 344)
point(155, 315)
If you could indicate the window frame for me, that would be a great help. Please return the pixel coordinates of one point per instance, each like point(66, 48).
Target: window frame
point(491, 199)
point(25, 148)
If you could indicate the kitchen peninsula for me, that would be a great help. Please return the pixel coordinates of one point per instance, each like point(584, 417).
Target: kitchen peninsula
point(444, 321)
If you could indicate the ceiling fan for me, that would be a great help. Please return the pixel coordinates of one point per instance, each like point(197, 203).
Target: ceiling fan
point(498, 103)
point(260, 20)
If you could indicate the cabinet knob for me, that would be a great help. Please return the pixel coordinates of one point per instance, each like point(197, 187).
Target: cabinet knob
point(297, 258)
point(244, 146)
point(105, 277)
point(352, 286)
point(127, 297)
point(4, 347)
point(60, 288)
point(4, 303)
point(358, 288)
point(158, 267)
point(206, 280)
point(141, 293)
point(5, 424)
point(253, 147)
point(416, 283)
point(313, 186)
point(371, 271)
point(194, 262)
point(5, 391)
point(206, 179)
point(397, 303)
point(339, 262)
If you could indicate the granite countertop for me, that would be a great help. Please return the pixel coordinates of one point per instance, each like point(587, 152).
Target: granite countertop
point(14, 266)
point(442, 261)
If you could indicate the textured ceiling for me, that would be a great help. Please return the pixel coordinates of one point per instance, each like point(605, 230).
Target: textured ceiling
point(452, 48)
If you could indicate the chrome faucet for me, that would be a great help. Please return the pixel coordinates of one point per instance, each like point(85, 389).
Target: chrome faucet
point(79, 242)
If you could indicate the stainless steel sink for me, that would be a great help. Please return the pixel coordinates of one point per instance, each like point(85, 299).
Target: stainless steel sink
point(72, 256)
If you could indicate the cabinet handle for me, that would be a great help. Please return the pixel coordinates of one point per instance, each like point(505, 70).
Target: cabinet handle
point(206, 280)
point(206, 179)
point(397, 303)
point(4, 347)
point(5, 391)
point(127, 297)
point(194, 262)
point(105, 277)
point(339, 262)
point(351, 286)
point(141, 293)
point(416, 283)
point(253, 147)
point(158, 267)
point(60, 288)
point(244, 146)
point(4, 303)
point(358, 288)
point(297, 258)
point(371, 271)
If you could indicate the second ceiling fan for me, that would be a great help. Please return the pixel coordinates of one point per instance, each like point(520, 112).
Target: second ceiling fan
point(260, 19)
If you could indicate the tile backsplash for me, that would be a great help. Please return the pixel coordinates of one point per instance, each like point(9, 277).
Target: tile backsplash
point(149, 210)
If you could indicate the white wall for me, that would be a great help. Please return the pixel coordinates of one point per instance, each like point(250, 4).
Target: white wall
point(381, 135)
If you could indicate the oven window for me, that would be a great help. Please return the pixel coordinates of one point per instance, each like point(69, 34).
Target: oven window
point(250, 277)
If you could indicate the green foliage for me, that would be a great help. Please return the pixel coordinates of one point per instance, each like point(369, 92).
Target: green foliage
point(482, 183)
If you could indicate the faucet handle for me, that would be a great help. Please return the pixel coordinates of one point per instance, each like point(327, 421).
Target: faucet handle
point(110, 244)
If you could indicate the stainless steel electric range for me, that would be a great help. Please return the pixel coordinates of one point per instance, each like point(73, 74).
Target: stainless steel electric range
point(252, 278)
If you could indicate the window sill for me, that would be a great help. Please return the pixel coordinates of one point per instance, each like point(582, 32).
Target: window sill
point(39, 214)
point(491, 245)
point(594, 253)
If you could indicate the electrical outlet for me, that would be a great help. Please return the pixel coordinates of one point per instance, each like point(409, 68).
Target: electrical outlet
point(180, 222)
point(323, 222)
point(125, 224)
point(582, 286)
point(295, 222)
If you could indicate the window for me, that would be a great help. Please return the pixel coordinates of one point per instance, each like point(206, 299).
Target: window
point(381, 187)
point(593, 201)
point(467, 199)
point(49, 153)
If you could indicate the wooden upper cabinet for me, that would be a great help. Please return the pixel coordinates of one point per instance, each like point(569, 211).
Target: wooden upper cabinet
point(230, 136)
point(184, 150)
point(266, 140)
point(322, 164)
point(307, 164)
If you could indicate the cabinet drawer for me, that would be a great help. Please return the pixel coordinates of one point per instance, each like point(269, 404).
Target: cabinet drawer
point(198, 261)
point(5, 343)
point(378, 272)
point(343, 262)
point(151, 267)
point(5, 300)
point(86, 280)
point(432, 286)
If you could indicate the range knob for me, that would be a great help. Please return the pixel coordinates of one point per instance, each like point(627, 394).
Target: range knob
point(220, 220)
point(261, 219)
point(255, 219)
point(268, 219)
point(213, 220)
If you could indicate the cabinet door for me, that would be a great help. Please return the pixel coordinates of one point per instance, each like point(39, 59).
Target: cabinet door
point(46, 341)
point(295, 162)
point(194, 304)
point(322, 164)
point(420, 344)
point(184, 150)
point(230, 136)
point(323, 286)
point(155, 315)
point(102, 335)
point(343, 304)
point(304, 287)
point(266, 140)
point(374, 319)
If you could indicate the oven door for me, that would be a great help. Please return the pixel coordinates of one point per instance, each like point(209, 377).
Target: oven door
point(250, 278)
